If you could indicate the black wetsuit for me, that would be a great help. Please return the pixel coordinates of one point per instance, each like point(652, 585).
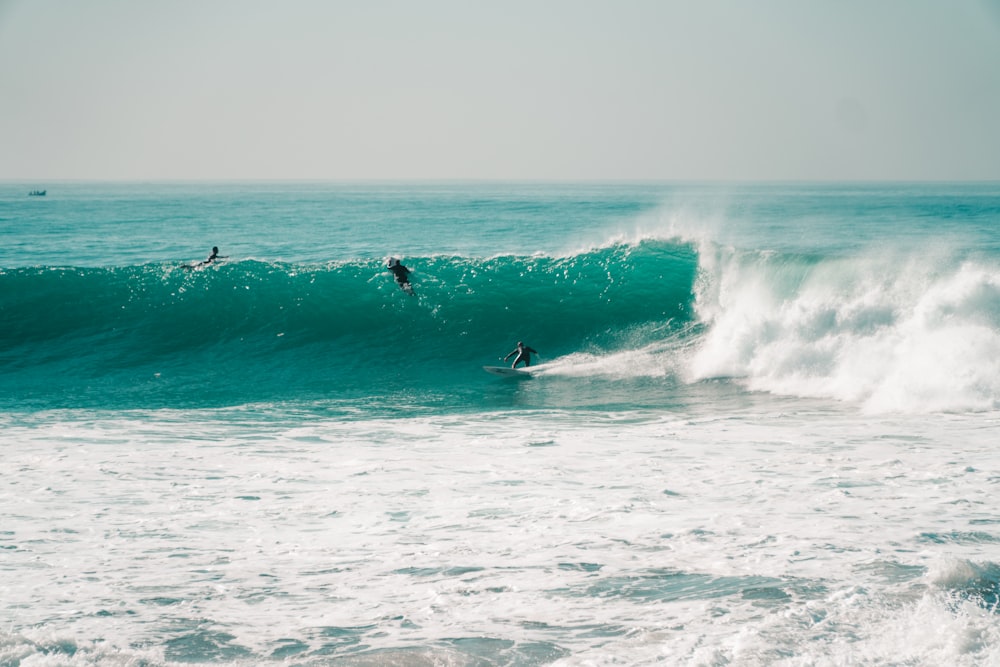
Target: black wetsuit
point(523, 353)
point(214, 256)
point(402, 274)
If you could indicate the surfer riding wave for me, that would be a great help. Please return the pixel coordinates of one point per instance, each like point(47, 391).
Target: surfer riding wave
point(401, 273)
point(523, 353)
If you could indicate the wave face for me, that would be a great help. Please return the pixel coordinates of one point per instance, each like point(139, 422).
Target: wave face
point(160, 335)
point(885, 297)
point(890, 333)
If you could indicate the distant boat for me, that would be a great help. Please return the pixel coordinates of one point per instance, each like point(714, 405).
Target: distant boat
point(37, 193)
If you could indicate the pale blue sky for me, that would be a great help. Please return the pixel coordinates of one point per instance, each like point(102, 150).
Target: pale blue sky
point(521, 90)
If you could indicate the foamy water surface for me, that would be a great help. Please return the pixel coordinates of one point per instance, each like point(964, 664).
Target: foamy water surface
point(799, 535)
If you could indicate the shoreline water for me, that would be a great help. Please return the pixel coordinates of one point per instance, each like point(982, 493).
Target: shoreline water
point(521, 538)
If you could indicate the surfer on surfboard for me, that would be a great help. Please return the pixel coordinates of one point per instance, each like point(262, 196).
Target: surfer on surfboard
point(211, 258)
point(214, 256)
point(523, 353)
point(401, 273)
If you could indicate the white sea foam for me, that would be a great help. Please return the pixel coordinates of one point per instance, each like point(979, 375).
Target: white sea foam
point(787, 537)
point(902, 334)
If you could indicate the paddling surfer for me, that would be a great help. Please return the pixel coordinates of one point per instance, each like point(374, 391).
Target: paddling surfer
point(214, 256)
point(211, 258)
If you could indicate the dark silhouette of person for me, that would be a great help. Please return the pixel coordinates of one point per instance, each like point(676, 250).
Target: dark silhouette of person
point(523, 353)
point(401, 273)
point(211, 258)
point(214, 256)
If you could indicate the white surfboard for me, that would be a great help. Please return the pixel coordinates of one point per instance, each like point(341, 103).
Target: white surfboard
point(507, 371)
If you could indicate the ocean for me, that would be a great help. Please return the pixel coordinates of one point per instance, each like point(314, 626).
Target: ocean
point(760, 429)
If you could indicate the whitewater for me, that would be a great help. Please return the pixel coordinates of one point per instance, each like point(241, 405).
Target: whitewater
point(761, 429)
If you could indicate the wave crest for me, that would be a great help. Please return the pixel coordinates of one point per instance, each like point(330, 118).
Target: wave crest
point(901, 334)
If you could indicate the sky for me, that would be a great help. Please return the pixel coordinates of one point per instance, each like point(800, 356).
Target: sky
point(566, 90)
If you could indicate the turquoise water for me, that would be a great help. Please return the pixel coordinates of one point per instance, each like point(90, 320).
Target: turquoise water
point(760, 428)
point(100, 313)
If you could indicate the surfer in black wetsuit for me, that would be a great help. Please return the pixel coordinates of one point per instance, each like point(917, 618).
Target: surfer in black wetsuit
point(523, 353)
point(211, 258)
point(401, 273)
point(214, 256)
